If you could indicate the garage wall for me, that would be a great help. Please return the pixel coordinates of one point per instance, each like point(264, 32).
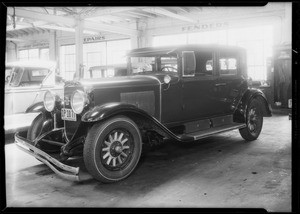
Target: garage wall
point(223, 18)
point(208, 19)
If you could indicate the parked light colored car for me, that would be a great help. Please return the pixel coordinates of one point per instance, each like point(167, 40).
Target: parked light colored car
point(27, 83)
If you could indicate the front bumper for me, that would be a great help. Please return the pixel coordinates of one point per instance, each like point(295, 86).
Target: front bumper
point(63, 170)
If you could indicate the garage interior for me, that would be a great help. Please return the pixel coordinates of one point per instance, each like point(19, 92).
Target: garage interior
point(221, 171)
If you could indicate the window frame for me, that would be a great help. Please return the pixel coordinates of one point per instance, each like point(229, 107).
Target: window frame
point(202, 77)
point(182, 65)
point(238, 64)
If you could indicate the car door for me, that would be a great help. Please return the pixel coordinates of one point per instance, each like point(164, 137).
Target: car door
point(198, 90)
point(230, 79)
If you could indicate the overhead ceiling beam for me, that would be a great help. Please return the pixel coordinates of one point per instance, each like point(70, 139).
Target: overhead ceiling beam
point(42, 24)
point(87, 25)
point(106, 18)
point(53, 27)
point(15, 39)
point(108, 11)
point(18, 27)
point(41, 16)
point(165, 12)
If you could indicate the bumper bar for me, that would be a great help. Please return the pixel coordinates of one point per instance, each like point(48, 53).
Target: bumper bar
point(64, 171)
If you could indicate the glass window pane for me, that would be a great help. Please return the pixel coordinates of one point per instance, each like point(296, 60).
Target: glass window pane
point(33, 54)
point(179, 39)
point(44, 54)
point(23, 55)
point(116, 51)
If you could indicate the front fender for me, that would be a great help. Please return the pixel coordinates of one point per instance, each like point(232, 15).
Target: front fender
point(141, 117)
point(36, 107)
point(107, 110)
point(250, 94)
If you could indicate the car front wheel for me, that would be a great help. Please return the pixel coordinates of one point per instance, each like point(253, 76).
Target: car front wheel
point(112, 149)
point(254, 121)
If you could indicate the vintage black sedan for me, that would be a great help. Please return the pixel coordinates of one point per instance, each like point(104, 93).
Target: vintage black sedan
point(183, 93)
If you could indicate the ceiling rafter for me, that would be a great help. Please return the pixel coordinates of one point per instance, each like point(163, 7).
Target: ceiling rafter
point(182, 9)
point(143, 13)
point(107, 11)
point(165, 12)
point(15, 39)
point(70, 22)
point(107, 18)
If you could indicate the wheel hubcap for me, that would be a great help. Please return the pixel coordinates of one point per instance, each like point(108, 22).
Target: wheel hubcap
point(116, 149)
point(252, 120)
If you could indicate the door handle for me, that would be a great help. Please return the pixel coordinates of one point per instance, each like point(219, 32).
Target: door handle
point(220, 84)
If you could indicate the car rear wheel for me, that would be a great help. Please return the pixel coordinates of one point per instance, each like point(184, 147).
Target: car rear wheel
point(112, 149)
point(254, 121)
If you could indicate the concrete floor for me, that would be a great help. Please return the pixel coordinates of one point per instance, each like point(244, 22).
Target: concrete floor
point(219, 171)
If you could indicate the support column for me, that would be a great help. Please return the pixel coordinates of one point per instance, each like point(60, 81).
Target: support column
point(11, 51)
point(134, 42)
point(79, 48)
point(52, 47)
point(134, 39)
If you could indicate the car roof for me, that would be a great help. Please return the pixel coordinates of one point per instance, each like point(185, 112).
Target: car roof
point(32, 64)
point(108, 66)
point(150, 51)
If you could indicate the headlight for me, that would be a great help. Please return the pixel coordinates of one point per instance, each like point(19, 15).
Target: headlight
point(49, 101)
point(78, 101)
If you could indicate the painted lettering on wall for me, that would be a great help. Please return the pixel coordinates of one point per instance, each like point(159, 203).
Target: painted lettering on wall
point(93, 39)
point(204, 27)
point(37, 45)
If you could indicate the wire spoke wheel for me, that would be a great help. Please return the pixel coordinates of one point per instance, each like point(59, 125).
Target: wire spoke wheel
point(254, 121)
point(112, 149)
point(117, 149)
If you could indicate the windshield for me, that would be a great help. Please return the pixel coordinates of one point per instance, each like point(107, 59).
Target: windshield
point(105, 71)
point(28, 76)
point(153, 64)
point(16, 76)
point(8, 71)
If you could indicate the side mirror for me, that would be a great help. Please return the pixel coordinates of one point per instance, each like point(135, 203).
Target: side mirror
point(188, 63)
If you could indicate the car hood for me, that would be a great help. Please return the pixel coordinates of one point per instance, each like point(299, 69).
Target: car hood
point(134, 80)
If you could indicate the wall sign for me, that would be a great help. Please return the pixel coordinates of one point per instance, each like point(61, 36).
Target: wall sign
point(38, 45)
point(204, 27)
point(93, 39)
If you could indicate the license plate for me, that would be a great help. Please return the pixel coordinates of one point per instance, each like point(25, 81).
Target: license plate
point(68, 114)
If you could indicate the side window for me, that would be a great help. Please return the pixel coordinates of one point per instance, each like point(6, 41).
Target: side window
point(228, 63)
point(188, 63)
point(204, 63)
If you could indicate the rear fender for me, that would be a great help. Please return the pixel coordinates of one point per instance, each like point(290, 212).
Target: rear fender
point(239, 114)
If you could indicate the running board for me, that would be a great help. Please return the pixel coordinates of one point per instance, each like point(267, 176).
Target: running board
point(211, 131)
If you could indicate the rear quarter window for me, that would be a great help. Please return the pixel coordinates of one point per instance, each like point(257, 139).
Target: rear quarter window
point(228, 63)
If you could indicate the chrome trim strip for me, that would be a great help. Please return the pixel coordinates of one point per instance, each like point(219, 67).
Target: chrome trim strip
point(197, 137)
point(47, 159)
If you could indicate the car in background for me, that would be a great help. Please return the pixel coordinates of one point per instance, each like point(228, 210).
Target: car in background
point(26, 83)
point(106, 71)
